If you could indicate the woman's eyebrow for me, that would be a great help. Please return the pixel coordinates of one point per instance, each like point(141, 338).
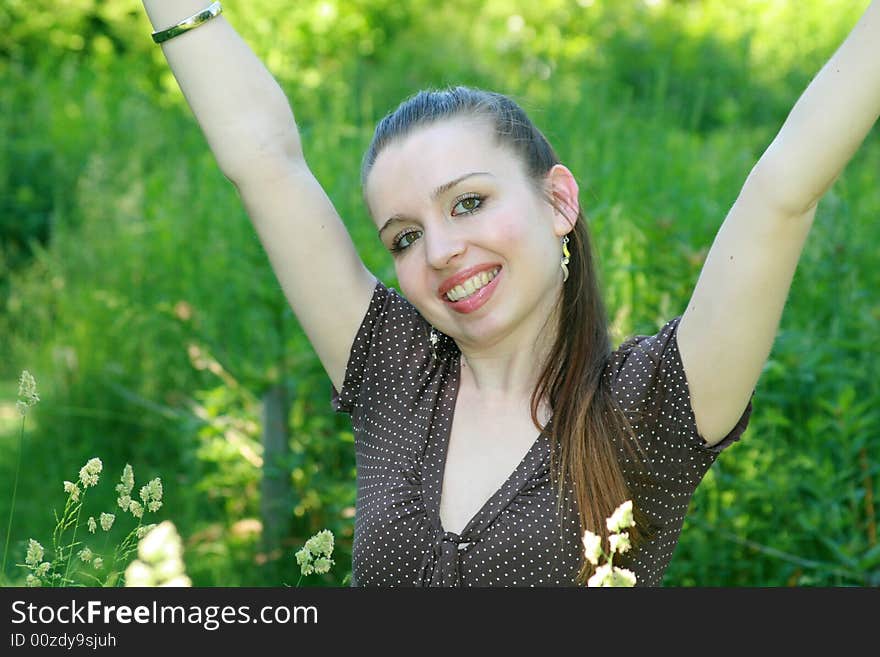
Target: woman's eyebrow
point(445, 187)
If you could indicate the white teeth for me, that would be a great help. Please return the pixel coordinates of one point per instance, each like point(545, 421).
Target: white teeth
point(471, 285)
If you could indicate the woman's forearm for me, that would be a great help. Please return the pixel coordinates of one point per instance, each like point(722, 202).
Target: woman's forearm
point(829, 121)
point(241, 109)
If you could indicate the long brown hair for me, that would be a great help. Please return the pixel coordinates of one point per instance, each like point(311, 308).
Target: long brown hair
point(588, 427)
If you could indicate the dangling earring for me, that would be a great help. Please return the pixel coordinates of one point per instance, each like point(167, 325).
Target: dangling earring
point(565, 258)
point(434, 339)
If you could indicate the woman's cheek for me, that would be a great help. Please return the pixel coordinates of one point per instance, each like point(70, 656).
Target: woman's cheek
point(511, 229)
point(409, 278)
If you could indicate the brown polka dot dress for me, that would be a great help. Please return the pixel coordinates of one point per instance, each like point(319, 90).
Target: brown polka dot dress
point(401, 402)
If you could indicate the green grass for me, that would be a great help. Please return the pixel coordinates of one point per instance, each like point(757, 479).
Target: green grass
point(659, 115)
point(9, 416)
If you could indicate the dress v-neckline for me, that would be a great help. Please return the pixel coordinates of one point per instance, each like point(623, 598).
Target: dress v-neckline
point(439, 449)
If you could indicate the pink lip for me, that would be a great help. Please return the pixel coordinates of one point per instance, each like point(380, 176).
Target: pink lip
point(462, 276)
point(477, 299)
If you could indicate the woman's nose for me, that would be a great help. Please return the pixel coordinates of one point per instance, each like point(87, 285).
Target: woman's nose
point(442, 245)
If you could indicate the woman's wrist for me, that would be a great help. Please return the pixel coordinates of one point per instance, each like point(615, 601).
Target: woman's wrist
point(189, 23)
point(164, 14)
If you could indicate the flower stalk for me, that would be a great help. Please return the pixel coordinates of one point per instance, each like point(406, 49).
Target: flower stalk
point(608, 574)
point(27, 397)
point(314, 557)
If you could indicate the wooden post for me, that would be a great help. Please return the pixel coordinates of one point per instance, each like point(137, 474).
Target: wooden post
point(276, 491)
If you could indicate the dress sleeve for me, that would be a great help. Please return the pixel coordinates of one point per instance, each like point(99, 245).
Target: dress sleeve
point(343, 400)
point(391, 334)
point(649, 382)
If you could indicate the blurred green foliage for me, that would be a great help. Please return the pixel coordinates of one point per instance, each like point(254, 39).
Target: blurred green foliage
point(133, 286)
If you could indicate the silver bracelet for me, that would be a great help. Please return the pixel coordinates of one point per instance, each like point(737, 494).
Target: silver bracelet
point(188, 24)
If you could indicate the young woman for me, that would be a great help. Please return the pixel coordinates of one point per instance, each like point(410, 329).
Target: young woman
point(494, 424)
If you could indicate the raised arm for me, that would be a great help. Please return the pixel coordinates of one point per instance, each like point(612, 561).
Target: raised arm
point(829, 121)
point(242, 111)
point(727, 330)
point(250, 128)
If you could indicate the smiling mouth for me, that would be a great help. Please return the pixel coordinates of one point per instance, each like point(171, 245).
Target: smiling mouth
point(472, 285)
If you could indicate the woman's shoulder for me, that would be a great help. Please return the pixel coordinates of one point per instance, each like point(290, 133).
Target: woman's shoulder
point(647, 380)
point(390, 310)
point(640, 356)
point(392, 339)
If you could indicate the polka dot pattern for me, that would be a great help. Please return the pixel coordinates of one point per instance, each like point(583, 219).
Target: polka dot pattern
point(401, 402)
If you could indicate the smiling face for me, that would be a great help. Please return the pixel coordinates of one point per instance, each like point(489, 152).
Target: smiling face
point(490, 218)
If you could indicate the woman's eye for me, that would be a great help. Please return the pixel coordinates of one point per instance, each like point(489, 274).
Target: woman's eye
point(402, 242)
point(468, 203)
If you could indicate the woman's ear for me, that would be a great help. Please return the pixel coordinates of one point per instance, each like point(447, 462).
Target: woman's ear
point(563, 189)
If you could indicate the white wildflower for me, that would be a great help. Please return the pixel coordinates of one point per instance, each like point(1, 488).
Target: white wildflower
point(600, 576)
point(321, 543)
point(160, 561)
point(621, 518)
point(156, 489)
point(124, 502)
point(126, 481)
point(303, 557)
point(27, 386)
point(621, 577)
point(161, 544)
point(85, 554)
point(322, 565)
point(168, 569)
point(32, 581)
point(606, 576)
point(592, 547)
point(136, 509)
point(34, 553)
point(42, 569)
point(27, 391)
point(619, 543)
point(151, 494)
point(72, 489)
point(92, 525)
point(314, 557)
point(107, 521)
point(88, 474)
point(98, 563)
point(138, 574)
